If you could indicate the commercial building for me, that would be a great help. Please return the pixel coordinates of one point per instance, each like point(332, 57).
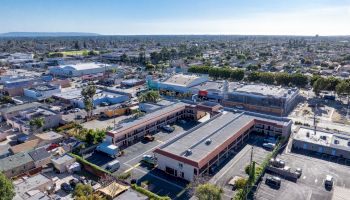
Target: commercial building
point(201, 149)
point(16, 164)
point(178, 83)
point(322, 141)
point(22, 119)
point(11, 111)
point(15, 85)
point(42, 91)
point(80, 69)
point(132, 132)
point(75, 98)
point(262, 98)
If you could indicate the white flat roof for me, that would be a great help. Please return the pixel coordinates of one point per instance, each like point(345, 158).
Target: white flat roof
point(85, 66)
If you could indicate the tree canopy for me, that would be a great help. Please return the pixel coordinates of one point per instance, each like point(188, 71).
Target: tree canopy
point(6, 188)
point(208, 192)
point(149, 96)
point(88, 94)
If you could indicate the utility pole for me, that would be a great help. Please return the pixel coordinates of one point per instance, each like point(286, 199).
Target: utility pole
point(315, 119)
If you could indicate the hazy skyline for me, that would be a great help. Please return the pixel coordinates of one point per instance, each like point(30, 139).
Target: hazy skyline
point(143, 17)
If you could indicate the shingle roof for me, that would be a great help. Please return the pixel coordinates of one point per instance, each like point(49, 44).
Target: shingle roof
point(39, 154)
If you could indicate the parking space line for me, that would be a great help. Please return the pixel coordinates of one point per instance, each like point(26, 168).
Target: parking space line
point(228, 168)
point(132, 167)
point(160, 141)
point(157, 177)
point(126, 162)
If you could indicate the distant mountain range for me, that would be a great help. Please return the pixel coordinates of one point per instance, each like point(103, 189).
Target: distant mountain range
point(46, 34)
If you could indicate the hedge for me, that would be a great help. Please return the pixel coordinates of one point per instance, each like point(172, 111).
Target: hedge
point(148, 193)
point(85, 162)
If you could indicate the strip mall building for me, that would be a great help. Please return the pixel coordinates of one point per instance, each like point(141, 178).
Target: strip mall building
point(200, 149)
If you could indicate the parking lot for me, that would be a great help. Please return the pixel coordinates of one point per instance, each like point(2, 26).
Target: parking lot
point(159, 182)
point(236, 164)
point(311, 184)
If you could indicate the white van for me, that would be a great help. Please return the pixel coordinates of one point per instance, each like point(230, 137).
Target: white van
point(113, 166)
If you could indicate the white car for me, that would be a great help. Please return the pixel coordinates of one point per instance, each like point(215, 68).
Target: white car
point(269, 146)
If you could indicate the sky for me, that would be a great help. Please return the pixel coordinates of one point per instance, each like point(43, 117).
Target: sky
point(149, 17)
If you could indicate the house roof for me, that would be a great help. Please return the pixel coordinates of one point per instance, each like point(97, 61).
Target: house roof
point(39, 154)
point(14, 161)
point(29, 145)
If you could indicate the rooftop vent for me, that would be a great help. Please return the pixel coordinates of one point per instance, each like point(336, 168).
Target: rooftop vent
point(208, 141)
point(308, 134)
point(188, 152)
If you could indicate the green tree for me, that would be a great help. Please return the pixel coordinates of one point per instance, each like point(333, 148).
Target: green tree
point(82, 190)
point(37, 123)
point(241, 183)
point(6, 188)
point(299, 80)
point(208, 192)
point(344, 88)
point(267, 78)
point(88, 94)
point(149, 96)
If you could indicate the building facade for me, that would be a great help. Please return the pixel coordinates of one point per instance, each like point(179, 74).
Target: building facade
point(202, 149)
point(134, 131)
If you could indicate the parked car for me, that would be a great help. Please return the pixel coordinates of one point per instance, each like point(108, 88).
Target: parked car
point(286, 168)
point(150, 160)
point(113, 166)
point(66, 187)
point(181, 121)
point(79, 117)
point(328, 183)
point(276, 162)
point(168, 128)
point(73, 182)
point(104, 104)
point(273, 181)
point(148, 137)
point(298, 171)
point(270, 140)
point(269, 146)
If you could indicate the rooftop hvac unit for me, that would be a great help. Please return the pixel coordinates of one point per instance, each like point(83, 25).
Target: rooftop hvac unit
point(188, 152)
point(208, 141)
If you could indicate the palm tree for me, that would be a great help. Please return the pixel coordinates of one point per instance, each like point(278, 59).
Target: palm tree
point(88, 93)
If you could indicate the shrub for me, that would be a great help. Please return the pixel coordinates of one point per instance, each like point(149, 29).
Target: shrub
point(83, 161)
point(124, 176)
point(241, 183)
point(148, 193)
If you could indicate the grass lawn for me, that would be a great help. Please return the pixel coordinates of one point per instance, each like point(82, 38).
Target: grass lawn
point(73, 53)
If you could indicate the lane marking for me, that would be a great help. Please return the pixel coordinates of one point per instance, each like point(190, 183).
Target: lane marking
point(132, 167)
